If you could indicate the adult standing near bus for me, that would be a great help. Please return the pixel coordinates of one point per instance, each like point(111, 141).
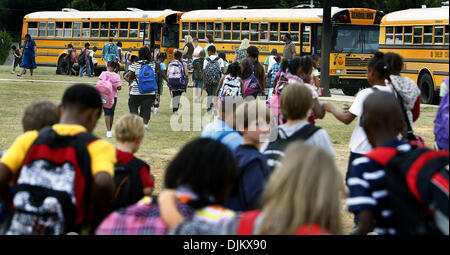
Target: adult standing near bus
point(188, 51)
point(241, 52)
point(209, 42)
point(110, 52)
point(289, 51)
point(28, 55)
point(197, 50)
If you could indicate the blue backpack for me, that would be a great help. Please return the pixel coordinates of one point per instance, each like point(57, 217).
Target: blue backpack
point(147, 81)
point(441, 124)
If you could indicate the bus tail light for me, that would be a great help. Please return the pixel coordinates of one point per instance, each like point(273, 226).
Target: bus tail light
point(332, 71)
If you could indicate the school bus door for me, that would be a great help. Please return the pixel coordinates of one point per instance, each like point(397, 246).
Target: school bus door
point(311, 38)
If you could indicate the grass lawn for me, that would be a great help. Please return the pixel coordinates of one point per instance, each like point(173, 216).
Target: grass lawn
point(161, 143)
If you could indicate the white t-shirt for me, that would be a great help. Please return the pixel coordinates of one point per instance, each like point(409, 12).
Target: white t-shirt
point(212, 57)
point(271, 62)
point(359, 142)
point(196, 52)
point(91, 54)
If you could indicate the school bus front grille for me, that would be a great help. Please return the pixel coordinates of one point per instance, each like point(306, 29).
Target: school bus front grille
point(359, 72)
point(356, 62)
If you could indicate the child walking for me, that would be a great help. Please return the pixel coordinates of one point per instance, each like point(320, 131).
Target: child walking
point(231, 84)
point(110, 78)
point(197, 76)
point(17, 58)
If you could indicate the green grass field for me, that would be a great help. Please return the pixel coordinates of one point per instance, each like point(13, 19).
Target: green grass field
point(160, 143)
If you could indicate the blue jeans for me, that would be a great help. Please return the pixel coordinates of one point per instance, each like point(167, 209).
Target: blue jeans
point(87, 66)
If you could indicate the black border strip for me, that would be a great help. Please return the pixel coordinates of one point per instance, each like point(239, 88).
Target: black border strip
point(440, 73)
point(424, 60)
point(84, 39)
point(414, 47)
point(410, 71)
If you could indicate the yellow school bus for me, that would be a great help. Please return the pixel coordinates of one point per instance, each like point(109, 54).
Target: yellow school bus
point(265, 29)
point(53, 31)
point(421, 37)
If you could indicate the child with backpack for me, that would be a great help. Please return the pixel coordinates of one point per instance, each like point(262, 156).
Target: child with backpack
point(253, 122)
point(200, 191)
point(302, 197)
point(213, 68)
point(143, 80)
point(272, 74)
point(296, 104)
point(107, 85)
point(197, 76)
point(132, 176)
point(177, 82)
point(253, 74)
point(17, 58)
point(279, 83)
point(231, 84)
point(398, 187)
point(71, 58)
point(161, 78)
point(63, 173)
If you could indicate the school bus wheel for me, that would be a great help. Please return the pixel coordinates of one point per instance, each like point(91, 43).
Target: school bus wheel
point(63, 65)
point(427, 88)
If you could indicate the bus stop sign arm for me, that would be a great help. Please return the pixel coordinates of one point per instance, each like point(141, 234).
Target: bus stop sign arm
point(326, 48)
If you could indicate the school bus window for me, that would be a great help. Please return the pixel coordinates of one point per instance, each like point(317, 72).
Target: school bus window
point(439, 34)
point(114, 29)
point(227, 30)
point(274, 32)
point(85, 29)
point(133, 29)
point(95, 29)
point(123, 30)
point(193, 31)
point(245, 31)
point(294, 32)
point(76, 29)
point(51, 29)
point(236, 31)
point(407, 38)
point(389, 35)
point(446, 34)
point(284, 29)
point(104, 29)
point(428, 34)
point(59, 29)
point(67, 29)
point(218, 31)
point(254, 32)
point(264, 32)
point(305, 35)
point(33, 28)
point(42, 26)
point(185, 29)
point(398, 35)
point(143, 30)
point(201, 30)
point(209, 28)
point(417, 35)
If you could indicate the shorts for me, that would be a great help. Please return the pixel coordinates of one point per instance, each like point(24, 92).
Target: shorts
point(141, 105)
point(198, 84)
point(110, 112)
point(17, 62)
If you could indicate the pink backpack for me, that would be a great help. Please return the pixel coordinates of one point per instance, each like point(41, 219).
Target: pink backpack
point(104, 87)
point(275, 101)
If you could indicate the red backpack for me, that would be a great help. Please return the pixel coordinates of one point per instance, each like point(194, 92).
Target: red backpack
point(417, 181)
point(248, 219)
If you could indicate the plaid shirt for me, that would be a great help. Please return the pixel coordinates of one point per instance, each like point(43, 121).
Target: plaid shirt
point(141, 218)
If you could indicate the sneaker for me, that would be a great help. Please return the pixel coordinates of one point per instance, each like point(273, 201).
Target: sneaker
point(146, 128)
point(12, 72)
point(156, 110)
point(152, 110)
point(175, 113)
point(108, 134)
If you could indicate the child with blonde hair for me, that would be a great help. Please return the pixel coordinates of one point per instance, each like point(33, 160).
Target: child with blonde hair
point(129, 132)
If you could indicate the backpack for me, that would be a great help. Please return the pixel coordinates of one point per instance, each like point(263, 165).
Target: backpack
point(417, 182)
point(274, 101)
point(175, 76)
point(213, 73)
point(82, 58)
point(251, 84)
point(441, 124)
point(147, 81)
point(74, 56)
point(231, 87)
point(104, 87)
point(247, 221)
point(128, 183)
point(274, 151)
point(45, 199)
point(197, 75)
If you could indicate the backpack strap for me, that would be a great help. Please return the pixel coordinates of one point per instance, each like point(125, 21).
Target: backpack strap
point(246, 222)
point(382, 155)
point(224, 134)
point(251, 65)
point(304, 133)
point(410, 134)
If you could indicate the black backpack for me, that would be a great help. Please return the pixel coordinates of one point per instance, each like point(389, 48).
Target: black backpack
point(82, 57)
point(128, 183)
point(275, 150)
point(45, 200)
point(417, 182)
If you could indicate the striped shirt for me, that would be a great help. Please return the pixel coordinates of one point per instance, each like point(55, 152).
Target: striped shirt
point(368, 190)
point(136, 67)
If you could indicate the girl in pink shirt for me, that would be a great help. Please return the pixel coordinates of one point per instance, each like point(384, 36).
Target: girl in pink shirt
point(112, 77)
